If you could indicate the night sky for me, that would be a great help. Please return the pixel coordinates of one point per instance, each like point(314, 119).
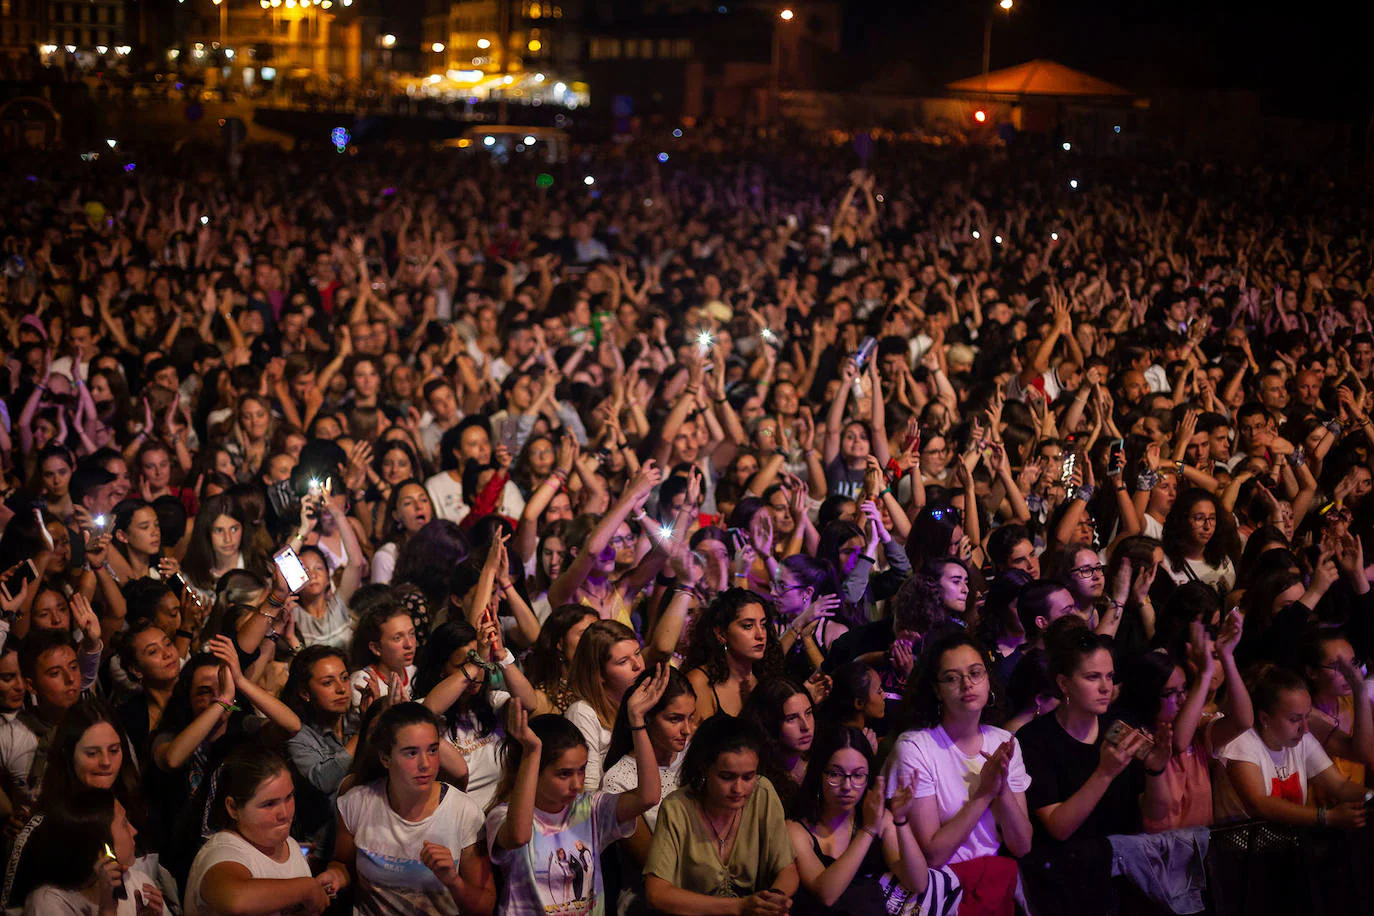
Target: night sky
point(1306, 59)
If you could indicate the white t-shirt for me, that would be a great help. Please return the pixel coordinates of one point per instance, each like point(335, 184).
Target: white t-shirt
point(623, 777)
point(391, 877)
point(482, 752)
point(1285, 772)
point(931, 763)
point(362, 676)
point(384, 563)
point(558, 872)
point(228, 846)
point(598, 738)
point(18, 745)
point(447, 496)
point(1222, 577)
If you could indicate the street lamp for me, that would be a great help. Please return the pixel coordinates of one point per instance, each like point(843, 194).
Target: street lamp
point(437, 47)
point(1005, 6)
point(784, 15)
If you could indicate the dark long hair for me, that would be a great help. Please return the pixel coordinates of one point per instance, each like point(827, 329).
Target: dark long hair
point(622, 741)
point(764, 710)
point(848, 693)
point(427, 560)
point(920, 707)
point(717, 735)
point(381, 738)
point(434, 657)
point(200, 552)
point(707, 649)
point(59, 779)
point(1224, 543)
point(807, 800)
point(369, 629)
point(64, 849)
point(1141, 686)
point(556, 737)
point(545, 667)
point(302, 670)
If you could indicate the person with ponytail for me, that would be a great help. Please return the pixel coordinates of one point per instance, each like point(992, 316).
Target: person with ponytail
point(409, 839)
point(251, 865)
point(546, 833)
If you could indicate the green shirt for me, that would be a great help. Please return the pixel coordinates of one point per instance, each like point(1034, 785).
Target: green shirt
point(684, 852)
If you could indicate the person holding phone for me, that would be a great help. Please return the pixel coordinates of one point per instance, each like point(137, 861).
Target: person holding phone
point(1084, 788)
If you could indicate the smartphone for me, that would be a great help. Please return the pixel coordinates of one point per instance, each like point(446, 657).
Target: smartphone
point(19, 577)
point(1119, 731)
point(1116, 455)
point(291, 569)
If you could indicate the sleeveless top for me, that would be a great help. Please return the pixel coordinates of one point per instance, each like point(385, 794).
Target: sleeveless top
point(875, 890)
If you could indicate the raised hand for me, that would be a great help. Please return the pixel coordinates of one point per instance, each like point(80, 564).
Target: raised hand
point(819, 685)
point(644, 697)
point(518, 727)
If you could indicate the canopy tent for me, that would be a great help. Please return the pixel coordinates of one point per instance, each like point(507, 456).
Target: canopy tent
point(1043, 78)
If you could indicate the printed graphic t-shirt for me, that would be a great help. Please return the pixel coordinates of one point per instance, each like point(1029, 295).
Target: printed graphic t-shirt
point(391, 878)
point(557, 873)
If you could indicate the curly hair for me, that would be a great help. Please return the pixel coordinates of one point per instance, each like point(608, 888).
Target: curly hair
point(707, 649)
point(919, 606)
point(920, 707)
point(1224, 543)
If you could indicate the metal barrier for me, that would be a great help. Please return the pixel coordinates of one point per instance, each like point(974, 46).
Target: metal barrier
point(1258, 868)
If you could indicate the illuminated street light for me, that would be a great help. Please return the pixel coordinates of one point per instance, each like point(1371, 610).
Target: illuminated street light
point(102, 49)
point(535, 44)
point(1006, 5)
point(786, 15)
point(483, 43)
point(1067, 146)
point(980, 116)
point(589, 181)
point(388, 40)
point(437, 47)
point(488, 141)
point(529, 140)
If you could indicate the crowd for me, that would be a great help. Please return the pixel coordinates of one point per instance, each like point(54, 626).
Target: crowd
point(738, 535)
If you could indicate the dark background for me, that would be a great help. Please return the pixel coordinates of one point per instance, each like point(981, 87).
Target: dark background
point(1305, 59)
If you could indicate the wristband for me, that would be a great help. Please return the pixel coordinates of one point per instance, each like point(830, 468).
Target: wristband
point(185, 634)
point(506, 660)
point(899, 823)
point(1147, 480)
point(228, 707)
point(1297, 458)
point(1158, 772)
point(1178, 467)
point(874, 832)
point(639, 728)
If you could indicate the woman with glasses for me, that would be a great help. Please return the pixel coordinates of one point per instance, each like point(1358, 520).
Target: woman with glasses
point(854, 857)
point(1200, 542)
point(1081, 571)
point(1177, 702)
point(1340, 719)
point(967, 778)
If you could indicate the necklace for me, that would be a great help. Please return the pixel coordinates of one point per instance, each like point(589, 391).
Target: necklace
point(729, 831)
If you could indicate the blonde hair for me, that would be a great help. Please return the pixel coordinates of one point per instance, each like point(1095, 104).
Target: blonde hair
point(586, 675)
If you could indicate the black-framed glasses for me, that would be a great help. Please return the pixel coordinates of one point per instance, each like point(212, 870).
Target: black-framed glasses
point(833, 778)
point(1089, 572)
point(1203, 519)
